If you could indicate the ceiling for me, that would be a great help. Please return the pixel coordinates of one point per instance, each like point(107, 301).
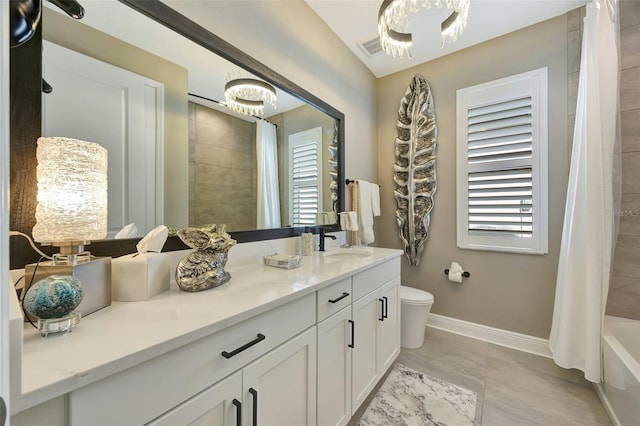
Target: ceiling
point(355, 21)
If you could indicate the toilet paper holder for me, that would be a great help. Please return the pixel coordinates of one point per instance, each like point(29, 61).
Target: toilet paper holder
point(464, 274)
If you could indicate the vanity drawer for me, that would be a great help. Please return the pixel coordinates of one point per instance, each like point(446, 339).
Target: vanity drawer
point(333, 298)
point(143, 392)
point(369, 280)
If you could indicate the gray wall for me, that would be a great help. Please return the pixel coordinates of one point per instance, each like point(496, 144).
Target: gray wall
point(624, 286)
point(222, 169)
point(509, 291)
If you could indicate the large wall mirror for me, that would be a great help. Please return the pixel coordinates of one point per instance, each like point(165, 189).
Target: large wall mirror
point(148, 83)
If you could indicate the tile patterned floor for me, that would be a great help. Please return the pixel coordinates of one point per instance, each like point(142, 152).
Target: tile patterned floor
point(514, 388)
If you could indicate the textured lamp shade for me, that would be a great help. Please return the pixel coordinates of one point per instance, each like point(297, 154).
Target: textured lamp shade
point(72, 191)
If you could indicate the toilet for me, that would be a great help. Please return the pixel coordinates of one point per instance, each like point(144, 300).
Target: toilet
point(414, 310)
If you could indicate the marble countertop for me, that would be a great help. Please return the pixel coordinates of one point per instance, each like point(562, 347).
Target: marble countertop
point(128, 333)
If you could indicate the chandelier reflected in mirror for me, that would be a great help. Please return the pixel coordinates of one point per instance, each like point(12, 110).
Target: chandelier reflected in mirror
point(247, 95)
point(393, 23)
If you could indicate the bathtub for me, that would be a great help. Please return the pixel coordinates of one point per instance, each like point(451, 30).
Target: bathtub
point(620, 391)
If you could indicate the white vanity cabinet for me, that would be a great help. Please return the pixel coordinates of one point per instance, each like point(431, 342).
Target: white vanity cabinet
point(359, 343)
point(142, 393)
point(279, 348)
point(219, 405)
point(334, 369)
point(277, 389)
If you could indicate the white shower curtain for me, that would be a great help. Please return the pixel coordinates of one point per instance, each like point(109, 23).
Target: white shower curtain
point(268, 211)
point(588, 232)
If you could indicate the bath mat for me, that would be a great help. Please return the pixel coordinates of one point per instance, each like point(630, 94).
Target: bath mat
point(409, 397)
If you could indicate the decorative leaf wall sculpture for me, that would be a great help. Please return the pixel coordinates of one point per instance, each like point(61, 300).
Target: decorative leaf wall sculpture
point(415, 166)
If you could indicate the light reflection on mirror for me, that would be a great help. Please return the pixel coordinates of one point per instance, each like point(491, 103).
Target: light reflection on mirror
point(194, 162)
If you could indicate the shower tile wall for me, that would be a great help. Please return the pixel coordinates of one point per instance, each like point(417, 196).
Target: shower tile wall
point(624, 286)
point(222, 175)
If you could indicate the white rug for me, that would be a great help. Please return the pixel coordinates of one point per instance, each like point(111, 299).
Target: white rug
point(409, 397)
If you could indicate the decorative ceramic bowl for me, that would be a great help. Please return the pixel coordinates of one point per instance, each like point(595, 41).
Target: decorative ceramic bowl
point(53, 297)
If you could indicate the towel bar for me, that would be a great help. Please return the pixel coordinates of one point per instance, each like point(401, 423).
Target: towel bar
point(348, 181)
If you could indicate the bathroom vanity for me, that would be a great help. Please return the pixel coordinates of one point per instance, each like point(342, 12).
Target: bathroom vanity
point(272, 346)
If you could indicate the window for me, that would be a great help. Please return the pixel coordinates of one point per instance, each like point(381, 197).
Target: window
point(305, 173)
point(502, 164)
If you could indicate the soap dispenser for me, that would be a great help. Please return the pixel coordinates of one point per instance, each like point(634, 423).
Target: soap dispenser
point(307, 242)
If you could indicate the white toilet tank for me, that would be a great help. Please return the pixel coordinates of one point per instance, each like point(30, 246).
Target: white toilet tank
point(414, 310)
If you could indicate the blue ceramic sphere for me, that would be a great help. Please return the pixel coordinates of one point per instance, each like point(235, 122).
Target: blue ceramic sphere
point(53, 297)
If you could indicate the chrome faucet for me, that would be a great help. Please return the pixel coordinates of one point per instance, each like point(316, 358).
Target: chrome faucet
point(322, 237)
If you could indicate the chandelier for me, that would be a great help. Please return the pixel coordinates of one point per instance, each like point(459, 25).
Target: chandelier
point(247, 95)
point(392, 23)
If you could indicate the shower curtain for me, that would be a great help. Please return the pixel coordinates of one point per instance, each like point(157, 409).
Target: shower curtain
point(588, 237)
point(268, 211)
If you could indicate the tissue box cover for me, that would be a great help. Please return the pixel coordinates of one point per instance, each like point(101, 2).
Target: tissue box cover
point(139, 277)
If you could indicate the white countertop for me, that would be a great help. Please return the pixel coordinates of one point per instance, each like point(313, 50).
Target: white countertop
point(128, 333)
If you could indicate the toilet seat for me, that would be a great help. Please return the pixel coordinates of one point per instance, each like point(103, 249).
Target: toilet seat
point(414, 296)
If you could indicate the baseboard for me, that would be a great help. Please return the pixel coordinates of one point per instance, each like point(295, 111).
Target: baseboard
point(509, 339)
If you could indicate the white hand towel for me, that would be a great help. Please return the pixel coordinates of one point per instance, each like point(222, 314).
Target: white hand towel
point(365, 212)
point(353, 220)
point(349, 221)
point(375, 199)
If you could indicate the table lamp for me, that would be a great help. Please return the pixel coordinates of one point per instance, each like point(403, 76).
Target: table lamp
point(71, 211)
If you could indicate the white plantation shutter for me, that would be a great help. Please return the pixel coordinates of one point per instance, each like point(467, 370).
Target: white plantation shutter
point(304, 158)
point(502, 164)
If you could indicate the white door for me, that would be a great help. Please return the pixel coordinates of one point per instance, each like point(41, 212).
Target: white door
point(367, 312)
point(334, 369)
point(389, 329)
point(127, 120)
point(219, 405)
point(4, 211)
point(279, 389)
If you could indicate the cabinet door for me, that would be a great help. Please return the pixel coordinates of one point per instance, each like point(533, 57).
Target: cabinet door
point(214, 406)
point(389, 329)
point(334, 369)
point(366, 313)
point(279, 389)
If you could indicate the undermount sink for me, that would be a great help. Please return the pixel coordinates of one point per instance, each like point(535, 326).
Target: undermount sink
point(353, 251)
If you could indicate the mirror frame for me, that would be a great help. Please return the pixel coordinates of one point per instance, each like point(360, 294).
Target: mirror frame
point(25, 101)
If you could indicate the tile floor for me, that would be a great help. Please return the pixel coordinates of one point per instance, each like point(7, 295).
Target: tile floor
point(514, 388)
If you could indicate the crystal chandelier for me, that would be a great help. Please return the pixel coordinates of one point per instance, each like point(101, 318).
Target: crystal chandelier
point(392, 23)
point(246, 95)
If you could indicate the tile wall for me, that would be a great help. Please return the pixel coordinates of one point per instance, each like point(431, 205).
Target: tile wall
point(624, 286)
point(222, 169)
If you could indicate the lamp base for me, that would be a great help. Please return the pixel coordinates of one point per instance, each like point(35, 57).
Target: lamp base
point(58, 325)
point(94, 274)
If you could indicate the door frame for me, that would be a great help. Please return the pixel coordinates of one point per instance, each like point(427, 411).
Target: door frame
point(4, 205)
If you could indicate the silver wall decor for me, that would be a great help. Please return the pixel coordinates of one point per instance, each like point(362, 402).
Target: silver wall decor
point(333, 166)
point(203, 268)
point(415, 166)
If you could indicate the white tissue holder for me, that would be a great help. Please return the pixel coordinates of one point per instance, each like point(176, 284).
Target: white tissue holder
point(140, 276)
